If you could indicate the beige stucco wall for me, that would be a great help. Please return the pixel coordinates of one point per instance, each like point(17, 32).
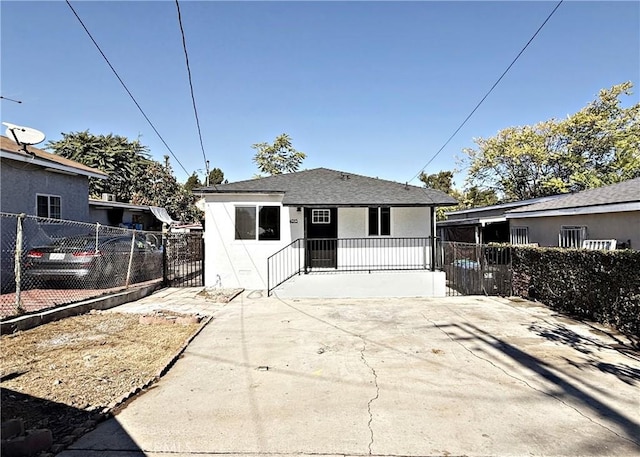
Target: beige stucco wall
point(622, 226)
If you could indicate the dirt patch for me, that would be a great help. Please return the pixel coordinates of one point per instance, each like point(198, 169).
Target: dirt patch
point(219, 295)
point(66, 375)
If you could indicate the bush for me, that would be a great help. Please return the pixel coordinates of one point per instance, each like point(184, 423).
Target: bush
point(603, 286)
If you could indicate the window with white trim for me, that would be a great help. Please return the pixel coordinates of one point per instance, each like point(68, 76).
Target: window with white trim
point(380, 221)
point(572, 236)
point(519, 235)
point(258, 222)
point(320, 216)
point(48, 206)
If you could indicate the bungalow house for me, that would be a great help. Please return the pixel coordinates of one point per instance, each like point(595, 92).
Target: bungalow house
point(290, 232)
point(605, 213)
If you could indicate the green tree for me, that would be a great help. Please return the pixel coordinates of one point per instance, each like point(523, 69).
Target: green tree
point(443, 181)
point(216, 176)
point(155, 185)
point(133, 176)
point(598, 145)
point(192, 182)
point(279, 157)
point(117, 156)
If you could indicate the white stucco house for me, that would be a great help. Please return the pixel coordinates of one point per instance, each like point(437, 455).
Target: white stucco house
point(323, 232)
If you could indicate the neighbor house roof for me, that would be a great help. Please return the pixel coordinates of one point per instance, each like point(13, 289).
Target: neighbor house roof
point(483, 215)
point(624, 196)
point(160, 213)
point(325, 187)
point(9, 149)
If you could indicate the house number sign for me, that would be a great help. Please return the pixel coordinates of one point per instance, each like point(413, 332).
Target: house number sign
point(294, 221)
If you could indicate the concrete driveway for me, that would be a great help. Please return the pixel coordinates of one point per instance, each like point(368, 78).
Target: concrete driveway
point(472, 376)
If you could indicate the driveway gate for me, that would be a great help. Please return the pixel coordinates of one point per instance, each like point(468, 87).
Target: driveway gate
point(184, 260)
point(477, 269)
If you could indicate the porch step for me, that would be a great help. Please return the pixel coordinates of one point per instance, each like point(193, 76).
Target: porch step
point(420, 283)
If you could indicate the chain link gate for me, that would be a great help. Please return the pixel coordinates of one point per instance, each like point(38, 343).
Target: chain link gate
point(184, 259)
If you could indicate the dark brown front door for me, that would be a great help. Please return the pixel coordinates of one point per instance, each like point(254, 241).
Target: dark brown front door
point(322, 232)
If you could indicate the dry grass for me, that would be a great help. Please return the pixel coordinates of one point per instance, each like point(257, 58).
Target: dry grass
point(81, 365)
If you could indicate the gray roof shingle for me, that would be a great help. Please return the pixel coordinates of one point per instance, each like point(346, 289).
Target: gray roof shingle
point(325, 187)
point(624, 192)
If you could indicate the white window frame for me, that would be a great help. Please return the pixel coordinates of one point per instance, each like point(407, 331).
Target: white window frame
point(49, 206)
point(572, 236)
point(519, 235)
point(321, 216)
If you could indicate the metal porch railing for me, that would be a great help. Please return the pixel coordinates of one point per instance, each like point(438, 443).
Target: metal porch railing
point(351, 254)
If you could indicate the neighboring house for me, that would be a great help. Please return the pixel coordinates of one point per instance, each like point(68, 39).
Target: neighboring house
point(118, 214)
point(261, 232)
point(604, 213)
point(482, 225)
point(38, 183)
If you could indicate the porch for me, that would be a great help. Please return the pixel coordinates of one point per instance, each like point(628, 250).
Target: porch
point(359, 267)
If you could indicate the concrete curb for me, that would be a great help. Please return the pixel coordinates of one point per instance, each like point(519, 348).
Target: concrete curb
point(101, 303)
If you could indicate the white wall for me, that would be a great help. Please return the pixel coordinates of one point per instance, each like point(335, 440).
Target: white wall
point(241, 263)
point(405, 222)
point(381, 251)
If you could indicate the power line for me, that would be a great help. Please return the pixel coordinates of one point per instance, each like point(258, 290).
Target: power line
point(10, 99)
point(125, 87)
point(193, 98)
point(489, 92)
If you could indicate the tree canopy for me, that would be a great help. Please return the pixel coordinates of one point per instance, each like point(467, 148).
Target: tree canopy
point(116, 155)
point(279, 157)
point(598, 145)
point(468, 198)
point(133, 176)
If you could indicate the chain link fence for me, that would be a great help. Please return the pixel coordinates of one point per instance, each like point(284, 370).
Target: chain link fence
point(50, 262)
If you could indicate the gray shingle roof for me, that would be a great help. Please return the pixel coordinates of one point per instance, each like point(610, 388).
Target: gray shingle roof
point(325, 187)
point(624, 192)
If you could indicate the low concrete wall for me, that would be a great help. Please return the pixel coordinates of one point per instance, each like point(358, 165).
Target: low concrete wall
point(365, 285)
point(109, 301)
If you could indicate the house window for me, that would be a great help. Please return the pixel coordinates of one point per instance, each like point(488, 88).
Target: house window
point(48, 206)
point(572, 236)
point(380, 221)
point(320, 216)
point(261, 220)
point(519, 235)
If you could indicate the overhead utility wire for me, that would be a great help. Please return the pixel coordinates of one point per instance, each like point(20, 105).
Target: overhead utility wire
point(125, 87)
point(490, 90)
point(193, 98)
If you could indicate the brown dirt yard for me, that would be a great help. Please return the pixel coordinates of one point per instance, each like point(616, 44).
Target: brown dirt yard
point(66, 375)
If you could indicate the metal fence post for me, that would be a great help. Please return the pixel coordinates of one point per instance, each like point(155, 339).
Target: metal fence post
point(165, 257)
point(18, 262)
point(133, 245)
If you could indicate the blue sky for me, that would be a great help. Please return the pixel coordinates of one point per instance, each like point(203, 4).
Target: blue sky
point(373, 88)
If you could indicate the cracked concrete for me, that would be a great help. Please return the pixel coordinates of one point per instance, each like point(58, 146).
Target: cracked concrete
point(375, 381)
point(472, 376)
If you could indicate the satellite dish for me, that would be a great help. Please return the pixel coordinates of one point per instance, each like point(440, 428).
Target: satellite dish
point(24, 135)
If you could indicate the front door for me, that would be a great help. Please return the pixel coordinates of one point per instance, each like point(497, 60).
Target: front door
point(321, 232)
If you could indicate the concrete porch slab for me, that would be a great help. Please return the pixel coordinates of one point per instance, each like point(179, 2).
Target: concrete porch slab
point(377, 284)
